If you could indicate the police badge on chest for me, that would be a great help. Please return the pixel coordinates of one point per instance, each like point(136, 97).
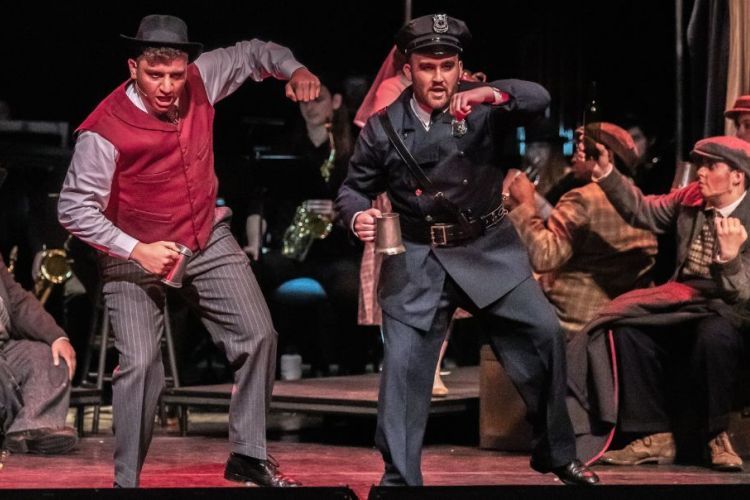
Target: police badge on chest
point(458, 128)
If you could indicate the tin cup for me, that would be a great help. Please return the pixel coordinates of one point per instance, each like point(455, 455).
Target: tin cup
point(174, 277)
point(388, 234)
point(291, 367)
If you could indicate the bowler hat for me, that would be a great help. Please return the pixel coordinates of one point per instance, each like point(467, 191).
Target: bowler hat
point(730, 150)
point(741, 105)
point(158, 30)
point(615, 139)
point(435, 34)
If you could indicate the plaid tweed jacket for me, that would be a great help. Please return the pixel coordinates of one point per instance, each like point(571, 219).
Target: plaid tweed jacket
point(586, 254)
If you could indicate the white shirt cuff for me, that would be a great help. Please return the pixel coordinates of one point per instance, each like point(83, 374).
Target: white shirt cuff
point(123, 246)
point(289, 66)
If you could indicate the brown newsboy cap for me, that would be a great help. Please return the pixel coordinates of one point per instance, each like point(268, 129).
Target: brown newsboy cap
point(741, 105)
point(436, 34)
point(730, 150)
point(615, 139)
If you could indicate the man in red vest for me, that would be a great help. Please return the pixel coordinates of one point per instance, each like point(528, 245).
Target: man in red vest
point(142, 181)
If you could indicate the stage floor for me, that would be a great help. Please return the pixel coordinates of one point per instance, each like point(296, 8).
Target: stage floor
point(196, 461)
point(321, 449)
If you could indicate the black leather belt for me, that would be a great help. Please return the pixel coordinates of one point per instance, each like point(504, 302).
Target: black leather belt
point(448, 234)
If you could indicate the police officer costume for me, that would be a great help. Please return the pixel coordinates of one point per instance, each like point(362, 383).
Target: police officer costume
point(471, 258)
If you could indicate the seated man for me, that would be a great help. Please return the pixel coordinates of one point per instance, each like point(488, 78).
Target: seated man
point(587, 253)
point(684, 354)
point(36, 365)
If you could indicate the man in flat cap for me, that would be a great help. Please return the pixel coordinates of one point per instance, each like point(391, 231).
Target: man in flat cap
point(740, 115)
point(679, 345)
point(434, 151)
point(586, 252)
point(141, 181)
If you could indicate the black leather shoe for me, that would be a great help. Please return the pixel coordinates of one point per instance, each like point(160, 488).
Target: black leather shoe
point(45, 441)
point(576, 473)
point(259, 472)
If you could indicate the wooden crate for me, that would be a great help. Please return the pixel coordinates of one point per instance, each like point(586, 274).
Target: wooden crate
point(502, 412)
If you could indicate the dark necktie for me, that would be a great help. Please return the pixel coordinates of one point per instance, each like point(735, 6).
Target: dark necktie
point(703, 248)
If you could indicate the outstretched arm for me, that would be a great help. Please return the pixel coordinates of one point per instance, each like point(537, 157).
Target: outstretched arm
point(654, 212)
point(224, 70)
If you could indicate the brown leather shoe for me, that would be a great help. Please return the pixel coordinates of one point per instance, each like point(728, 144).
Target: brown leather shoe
point(723, 456)
point(45, 441)
point(656, 448)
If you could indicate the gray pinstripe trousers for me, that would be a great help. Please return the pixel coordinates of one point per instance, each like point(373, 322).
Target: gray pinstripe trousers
point(221, 287)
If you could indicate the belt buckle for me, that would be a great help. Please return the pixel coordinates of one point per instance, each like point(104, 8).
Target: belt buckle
point(438, 235)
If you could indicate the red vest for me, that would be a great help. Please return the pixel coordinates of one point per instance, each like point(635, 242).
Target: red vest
point(164, 185)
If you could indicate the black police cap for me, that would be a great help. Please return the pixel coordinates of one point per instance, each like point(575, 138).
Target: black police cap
point(435, 34)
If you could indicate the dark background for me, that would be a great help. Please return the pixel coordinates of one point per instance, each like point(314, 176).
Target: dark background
point(60, 59)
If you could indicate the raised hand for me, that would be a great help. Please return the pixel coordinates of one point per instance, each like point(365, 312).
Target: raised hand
point(303, 86)
point(462, 102)
point(730, 234)
point(521, 189)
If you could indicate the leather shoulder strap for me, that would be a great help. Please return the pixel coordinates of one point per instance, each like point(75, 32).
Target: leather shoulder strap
point(424, 182)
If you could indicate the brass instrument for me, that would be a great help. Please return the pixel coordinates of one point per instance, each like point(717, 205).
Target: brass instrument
point(51, 267)
point(311, 222)
point(12, 259)
point(314, 218)
point(330, 162)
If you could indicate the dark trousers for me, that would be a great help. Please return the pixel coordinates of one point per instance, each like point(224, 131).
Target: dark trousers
point(526, 337)
point(45, 389)
point(665, 371)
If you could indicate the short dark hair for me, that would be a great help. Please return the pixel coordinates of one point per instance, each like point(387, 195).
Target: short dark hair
point(161, 54)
